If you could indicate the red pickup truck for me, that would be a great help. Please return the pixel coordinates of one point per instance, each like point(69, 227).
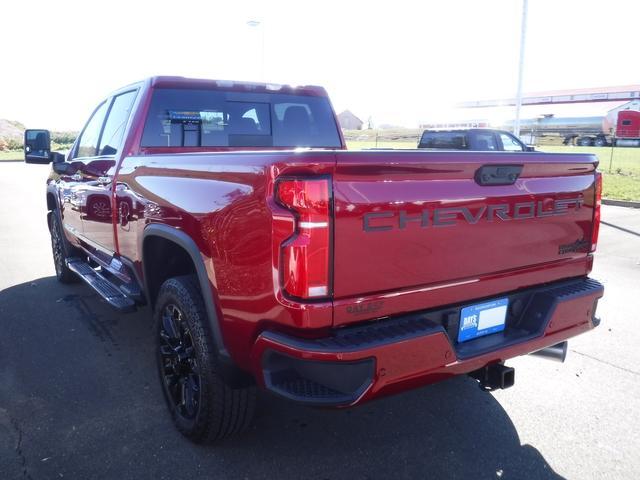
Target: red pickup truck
point(273, 257)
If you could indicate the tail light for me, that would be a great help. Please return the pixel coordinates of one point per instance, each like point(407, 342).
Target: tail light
point(306, 254)
point(596, 212)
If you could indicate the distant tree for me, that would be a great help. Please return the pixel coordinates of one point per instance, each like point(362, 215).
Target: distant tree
point(16, 124)
point(63, 137)
point(13, 144)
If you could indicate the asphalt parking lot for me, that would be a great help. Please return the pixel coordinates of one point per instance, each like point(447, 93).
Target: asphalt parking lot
point(79, 395)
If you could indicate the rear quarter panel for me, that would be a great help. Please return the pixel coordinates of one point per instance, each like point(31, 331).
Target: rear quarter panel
point(224, 202)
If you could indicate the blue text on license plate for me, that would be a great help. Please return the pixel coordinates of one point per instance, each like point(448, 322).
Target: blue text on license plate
point(482, 319)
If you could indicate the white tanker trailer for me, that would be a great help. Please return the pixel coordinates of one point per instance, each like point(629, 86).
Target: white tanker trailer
point(621, 127)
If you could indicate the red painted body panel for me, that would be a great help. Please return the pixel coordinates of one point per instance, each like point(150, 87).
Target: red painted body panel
point(431, 358)
point(224, 201)
point(403, 269)
point(417, 298)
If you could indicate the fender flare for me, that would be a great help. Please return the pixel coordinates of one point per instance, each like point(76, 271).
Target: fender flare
point(186, 242)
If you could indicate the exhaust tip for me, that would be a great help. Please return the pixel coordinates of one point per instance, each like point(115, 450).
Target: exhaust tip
point(557, 352)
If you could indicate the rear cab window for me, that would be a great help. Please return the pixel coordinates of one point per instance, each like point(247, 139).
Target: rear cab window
point(213, 118)
point(444, 140)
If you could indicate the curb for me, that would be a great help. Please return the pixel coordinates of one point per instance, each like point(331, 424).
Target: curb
point(620, 203)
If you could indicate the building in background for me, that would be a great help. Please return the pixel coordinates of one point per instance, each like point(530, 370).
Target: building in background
point(348, 121)
point(484, 123)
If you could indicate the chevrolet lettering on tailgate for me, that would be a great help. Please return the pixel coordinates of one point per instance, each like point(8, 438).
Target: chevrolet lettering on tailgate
point(449, 216)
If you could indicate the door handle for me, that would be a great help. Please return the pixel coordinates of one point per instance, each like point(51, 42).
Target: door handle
point(123, 214)
point(498, 174)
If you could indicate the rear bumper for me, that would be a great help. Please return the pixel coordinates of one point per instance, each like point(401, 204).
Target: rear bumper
point(356, 364)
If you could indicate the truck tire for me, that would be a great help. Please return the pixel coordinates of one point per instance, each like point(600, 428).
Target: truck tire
point(60, 249)
point(204, 408)
point(600, 142)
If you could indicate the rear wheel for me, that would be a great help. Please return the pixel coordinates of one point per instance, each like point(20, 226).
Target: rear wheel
point(60, 249)
point(584, 142)
point(203, 406)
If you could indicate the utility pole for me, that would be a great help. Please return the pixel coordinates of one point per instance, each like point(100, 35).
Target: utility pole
point(523, 37)
point(259, 24)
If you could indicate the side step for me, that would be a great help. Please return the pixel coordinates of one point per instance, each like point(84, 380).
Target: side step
point(103, 287)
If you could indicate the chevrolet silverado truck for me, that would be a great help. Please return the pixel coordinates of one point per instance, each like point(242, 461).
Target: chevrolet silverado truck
point(272, 257)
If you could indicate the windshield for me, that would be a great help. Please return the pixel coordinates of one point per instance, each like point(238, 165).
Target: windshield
point(211, 118)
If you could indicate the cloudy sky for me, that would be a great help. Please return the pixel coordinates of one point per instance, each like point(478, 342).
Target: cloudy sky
point(399, 62)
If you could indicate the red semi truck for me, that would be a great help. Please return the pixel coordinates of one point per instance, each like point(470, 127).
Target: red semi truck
point(273, 257)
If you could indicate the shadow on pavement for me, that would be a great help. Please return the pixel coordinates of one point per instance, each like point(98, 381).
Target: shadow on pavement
point(79, 398)
point(626, 230)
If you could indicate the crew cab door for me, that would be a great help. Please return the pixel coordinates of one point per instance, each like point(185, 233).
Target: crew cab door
point(94, 161)
point(98, 220)
point(73, 183)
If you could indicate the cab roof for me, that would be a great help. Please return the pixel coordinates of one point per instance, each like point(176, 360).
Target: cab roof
point(234, 85)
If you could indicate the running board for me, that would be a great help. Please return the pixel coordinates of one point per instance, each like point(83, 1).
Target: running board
point(103, 287)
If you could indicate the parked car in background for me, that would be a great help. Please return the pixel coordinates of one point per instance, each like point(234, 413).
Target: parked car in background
point(477, 139)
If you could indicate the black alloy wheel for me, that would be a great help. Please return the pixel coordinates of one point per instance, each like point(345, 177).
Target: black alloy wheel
point(178, 363)
point(204, 405)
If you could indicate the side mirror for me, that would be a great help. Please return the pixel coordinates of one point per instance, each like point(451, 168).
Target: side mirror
point(60, 166)
point(37, 146)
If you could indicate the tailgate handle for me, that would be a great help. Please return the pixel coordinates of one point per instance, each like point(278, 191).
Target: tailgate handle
point(498, 174)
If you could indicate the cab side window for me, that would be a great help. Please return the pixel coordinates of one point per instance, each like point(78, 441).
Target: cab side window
point(509, 144)
point(116, 123)
point(88, 142)
point(485, 141)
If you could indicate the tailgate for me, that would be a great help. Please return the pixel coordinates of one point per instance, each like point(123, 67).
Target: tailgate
point(417, 219)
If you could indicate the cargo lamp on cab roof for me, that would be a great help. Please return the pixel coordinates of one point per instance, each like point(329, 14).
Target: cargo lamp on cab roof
point(306, 255)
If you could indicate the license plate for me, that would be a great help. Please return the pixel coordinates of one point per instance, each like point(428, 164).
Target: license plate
point(482, 319)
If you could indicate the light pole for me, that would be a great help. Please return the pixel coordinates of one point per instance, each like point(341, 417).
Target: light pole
point(523, 37)
point(260, 25)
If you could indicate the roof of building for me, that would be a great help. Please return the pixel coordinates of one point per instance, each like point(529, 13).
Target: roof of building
point(576, 95)
point(349, 113)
